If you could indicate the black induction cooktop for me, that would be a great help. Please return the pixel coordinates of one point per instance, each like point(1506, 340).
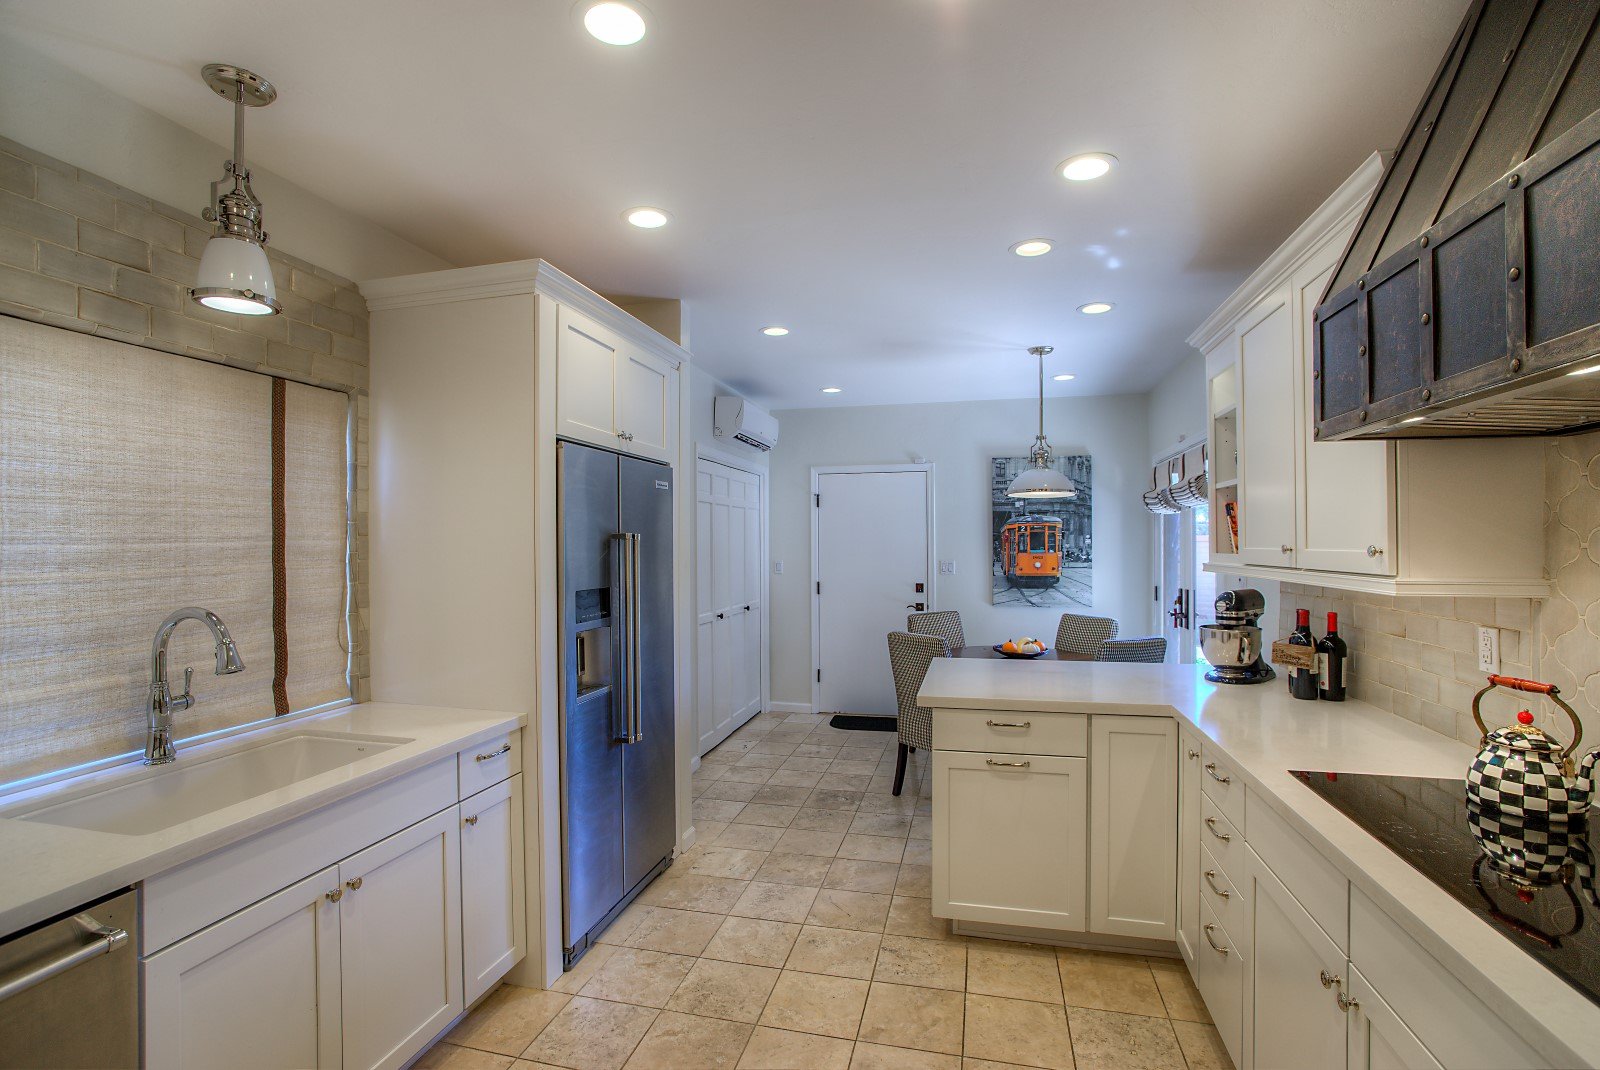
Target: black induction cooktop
point(1534, 884)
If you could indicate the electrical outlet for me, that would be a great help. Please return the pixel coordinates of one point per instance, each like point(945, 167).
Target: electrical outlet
point(1489, 650)
point(947, 568)
point(777, 568)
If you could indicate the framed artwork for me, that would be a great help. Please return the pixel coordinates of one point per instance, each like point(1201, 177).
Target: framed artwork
point(1042, 550)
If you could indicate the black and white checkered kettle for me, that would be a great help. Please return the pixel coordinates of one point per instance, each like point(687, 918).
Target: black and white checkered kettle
point(1524, 773)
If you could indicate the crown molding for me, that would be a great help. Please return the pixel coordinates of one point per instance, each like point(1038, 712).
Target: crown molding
point(512, 279)
point(1339, 210)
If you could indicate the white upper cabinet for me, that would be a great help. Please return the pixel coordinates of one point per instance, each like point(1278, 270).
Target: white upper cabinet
point(1268, 438)
point(647, 403)
point(613, 392)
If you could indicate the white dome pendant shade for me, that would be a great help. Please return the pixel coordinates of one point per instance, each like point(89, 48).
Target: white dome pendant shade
point(234, 275)
point(1040, 480)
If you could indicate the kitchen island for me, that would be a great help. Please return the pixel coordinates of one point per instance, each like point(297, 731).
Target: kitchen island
point(1292, 918)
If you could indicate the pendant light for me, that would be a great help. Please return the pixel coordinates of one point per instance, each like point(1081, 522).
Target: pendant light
point(234, 275)
point(1040, 480)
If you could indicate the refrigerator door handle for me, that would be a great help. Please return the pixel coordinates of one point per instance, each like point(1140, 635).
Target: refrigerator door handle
point(625, 569)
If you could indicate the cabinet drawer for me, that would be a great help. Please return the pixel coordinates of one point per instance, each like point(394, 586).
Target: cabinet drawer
point(1220, 836)
point(1220, 978)
point(490, 762)
point(1012, 731)
point(1222, 892)
point(1222, 785)
point(1316, 884)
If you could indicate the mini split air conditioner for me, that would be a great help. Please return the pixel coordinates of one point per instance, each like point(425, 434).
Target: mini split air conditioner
point(737, 418)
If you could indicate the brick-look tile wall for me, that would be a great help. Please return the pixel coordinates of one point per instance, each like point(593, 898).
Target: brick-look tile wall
point(81, 252)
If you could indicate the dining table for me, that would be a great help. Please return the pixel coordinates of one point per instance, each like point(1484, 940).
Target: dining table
point(1049, 655)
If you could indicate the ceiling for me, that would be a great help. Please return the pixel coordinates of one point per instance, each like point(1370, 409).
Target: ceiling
point(855, 170)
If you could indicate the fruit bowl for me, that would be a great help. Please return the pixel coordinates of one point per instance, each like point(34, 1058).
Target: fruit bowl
point(999, 648)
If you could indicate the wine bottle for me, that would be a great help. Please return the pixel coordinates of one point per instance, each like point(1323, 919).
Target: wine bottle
point(1332, 657)
point(1302, 682)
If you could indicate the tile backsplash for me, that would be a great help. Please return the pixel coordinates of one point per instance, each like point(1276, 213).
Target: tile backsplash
point(1417, 657)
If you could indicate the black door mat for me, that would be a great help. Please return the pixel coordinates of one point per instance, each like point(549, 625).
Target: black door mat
point(858, 723)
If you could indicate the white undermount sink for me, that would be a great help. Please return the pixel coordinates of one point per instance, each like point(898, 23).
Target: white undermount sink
point(170, 795)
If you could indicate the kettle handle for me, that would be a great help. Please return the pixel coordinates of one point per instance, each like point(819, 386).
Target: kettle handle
point(1533, 686)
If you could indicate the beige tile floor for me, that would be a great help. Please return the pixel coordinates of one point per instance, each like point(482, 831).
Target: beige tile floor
point(797, 935)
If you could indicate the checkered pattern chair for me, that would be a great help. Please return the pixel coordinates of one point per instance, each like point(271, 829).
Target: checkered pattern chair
point(909, 658)
point(1132, 650)
point(1083, 635)
point(946, 624)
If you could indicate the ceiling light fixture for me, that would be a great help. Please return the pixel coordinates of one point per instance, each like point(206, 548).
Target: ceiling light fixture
point(1087, 166)
point(1096, 308)
point(234, 275)
point(774, 332)
point(833, 390)
point(1063, 377)
point(614, 23)
point(647, 218)
point(1033, 247)
point(1040, 480)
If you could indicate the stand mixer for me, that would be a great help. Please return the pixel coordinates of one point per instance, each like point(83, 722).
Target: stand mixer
point(1233, 644)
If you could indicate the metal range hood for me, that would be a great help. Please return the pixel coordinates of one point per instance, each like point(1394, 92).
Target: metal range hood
point(1468, 300)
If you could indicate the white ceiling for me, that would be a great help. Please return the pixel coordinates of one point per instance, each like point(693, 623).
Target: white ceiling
point(853, 169)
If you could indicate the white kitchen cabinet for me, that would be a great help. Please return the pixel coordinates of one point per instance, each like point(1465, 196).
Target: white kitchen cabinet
point(1009, 839)
point(1219, 975)
point(611, 391)
point(1133, 826)
point(1188, 849)
point(647, 403)
point(1293, 979)
point(1377, 1039)
point(400, 942)
point(257, 989)
point(1269, 450)
point(493, 925)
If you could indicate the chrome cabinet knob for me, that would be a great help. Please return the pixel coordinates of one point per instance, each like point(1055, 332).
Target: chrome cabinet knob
point(1374, 551)
point(1329, 980)
point(1286, 548)
point(334, 896)
point(473, 820)
point(1346, 1003)
point(353, 884)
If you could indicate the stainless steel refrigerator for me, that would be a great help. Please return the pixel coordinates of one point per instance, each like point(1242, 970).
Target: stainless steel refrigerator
point(618, 826)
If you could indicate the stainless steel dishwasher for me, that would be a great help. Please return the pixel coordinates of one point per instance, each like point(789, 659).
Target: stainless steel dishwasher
point(69, 989)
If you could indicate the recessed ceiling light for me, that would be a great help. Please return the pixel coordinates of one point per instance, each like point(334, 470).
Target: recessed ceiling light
point(647, 218)
point(1087, 166)
point(1063, 378)
point(1590, 370)
point(833, 390)
point(774, 332)
point(1096, 308)
point(1033, 247)
point(614, 23)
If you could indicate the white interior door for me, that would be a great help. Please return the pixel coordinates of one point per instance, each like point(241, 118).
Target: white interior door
point(872, 549)
point(729, 624)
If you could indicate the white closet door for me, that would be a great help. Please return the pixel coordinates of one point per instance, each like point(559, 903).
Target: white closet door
point(729, 606)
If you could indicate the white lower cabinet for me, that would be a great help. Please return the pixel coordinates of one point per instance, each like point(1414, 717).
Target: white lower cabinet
point(1188, 849)
point(1133, 822)
point(1009, 839)
point(494, 932)
point(400, 942)
point(1377, 1039)
point(259, 989)
point(1219, 975)
point(1293, 1017)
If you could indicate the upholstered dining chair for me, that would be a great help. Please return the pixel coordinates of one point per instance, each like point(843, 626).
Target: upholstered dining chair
point(1083, 635)
point(1154, 649)
point(909, 658)
point(946, 624)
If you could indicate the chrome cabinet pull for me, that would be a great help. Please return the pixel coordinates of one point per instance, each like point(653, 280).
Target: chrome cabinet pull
point(1211, 767)
point(1211, 879)
point(334, 896)
point(104, 939)
point(1329, 979)
point(493, 754)
point(353, 884)
point(1218, 948)
point(1211, 823)
point(473, 820)
point(1009, 724)
point(1009, 765)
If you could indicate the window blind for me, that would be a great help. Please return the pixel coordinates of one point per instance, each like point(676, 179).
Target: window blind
point(135, 482)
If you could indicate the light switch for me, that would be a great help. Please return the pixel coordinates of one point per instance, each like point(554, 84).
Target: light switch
point(777, 568)
point(947, 568)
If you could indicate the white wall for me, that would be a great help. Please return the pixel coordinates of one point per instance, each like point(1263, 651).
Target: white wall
point(1178, 407)
point(51, 108)
point(959, 439)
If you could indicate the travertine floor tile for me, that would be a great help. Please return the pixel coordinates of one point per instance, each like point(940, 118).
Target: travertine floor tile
point(1106, 1040)
point(728, 990)
point(834, 799)
point(989, 1064)
point(687, 1042)
point(821, 819)
point(634, 975)
point(806, 871)
point(908, 960)
point(915, 880)
point(881, 825)
point(575, 978)
point(753, 941)
point(678, 932)
point(748, 837)
point(691, 891)
point(849, 910)
point(855, 875)
point(508, 1020)
point(872, 848)
point(918, 853)
point(814, 1003)
point(705, 809)
point(882, 1057)
point(591, 1034)
point(910, 916)
point(755, 759)
point(767, 814)
point(913, 1018)
point(775, 902)
point(784, 1049)
point(1018, 1031)
point(839, 952)
point(781, 794)
point(809, 842)
point(446, 1056)
point(1104, 981)
point(724, 861)
point(794, 778)
point(1018, 973)
point(844, 782)
point(1202, 1046)
point(922, 827)
point(1178, 993)
point(807, 763)
point(888, 803)
point(748, 774)
point(731, 790)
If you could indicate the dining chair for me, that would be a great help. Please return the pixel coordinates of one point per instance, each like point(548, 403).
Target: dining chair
point(909, 658)
point(1154, 649)
point(946, 624)
point(1083, 635)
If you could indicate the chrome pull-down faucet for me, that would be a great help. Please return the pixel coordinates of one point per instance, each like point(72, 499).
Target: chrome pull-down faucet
point(158, 749)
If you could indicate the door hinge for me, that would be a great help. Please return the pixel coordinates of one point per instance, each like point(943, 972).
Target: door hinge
point(818, 497)
point(819, 676)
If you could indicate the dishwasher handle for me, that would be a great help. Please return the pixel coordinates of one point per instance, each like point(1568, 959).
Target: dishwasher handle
point(103, 939)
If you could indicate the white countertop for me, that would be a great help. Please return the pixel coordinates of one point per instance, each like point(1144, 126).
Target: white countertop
point(1264, 733)
point(53, 868)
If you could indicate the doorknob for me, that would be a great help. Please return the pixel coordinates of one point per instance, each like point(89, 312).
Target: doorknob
point(918, 606)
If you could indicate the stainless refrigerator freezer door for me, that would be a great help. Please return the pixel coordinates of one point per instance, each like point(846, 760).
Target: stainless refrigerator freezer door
point(591, 755)
point(649, 765)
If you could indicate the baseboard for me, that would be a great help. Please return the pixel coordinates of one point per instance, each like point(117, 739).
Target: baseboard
point(789, 707)
point(1128, 945)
